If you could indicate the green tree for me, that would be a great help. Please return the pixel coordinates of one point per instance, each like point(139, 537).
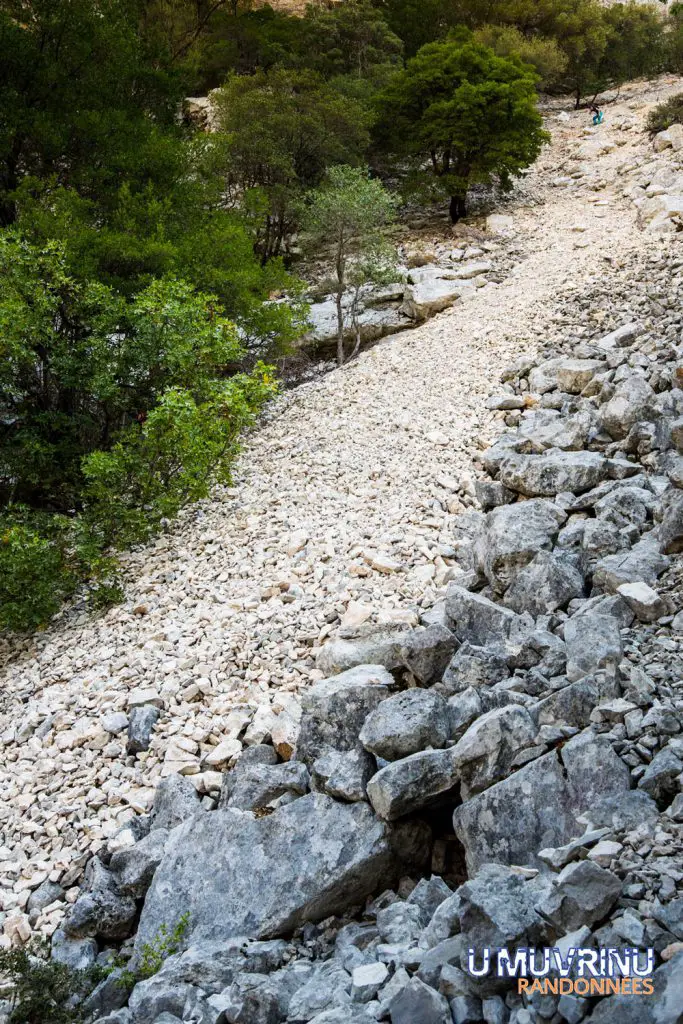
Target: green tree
point(351, 38)
point(284, 130)
point(542, 53)
point(348, 213)
point(115, 414)
point(470, 113)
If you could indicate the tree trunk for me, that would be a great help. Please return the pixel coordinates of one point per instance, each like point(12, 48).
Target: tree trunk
point(458, 208)
point(340, 328)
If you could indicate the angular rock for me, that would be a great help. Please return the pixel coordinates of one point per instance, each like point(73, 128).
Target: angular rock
point(550, 581)
point(258, 785)
point(485, 754)
point(405, 723)
point(552, 473)
point(175, 801)
point(411, 783)
point(133, 869)
point(644, 563)
point(372, 645)
point(309, 859)
point(335, 709)
point(427, 652)
point(511, 821)
point(103, 911)
point(344, 774)
point(513, 536)
point(583, 894)
point(140, 727)
point(474, 666)
point(643, 600)
point(593, 643)
point(670, 528)
point(419, 1002)
point(78, 954)
point(660, 778)
point(497, 908)
point(631, 402)
point(475, 618)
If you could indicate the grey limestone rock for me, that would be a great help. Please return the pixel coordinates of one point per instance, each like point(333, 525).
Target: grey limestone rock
point(372, 645)
point(475, 618)
point(411, 783)
point(486, 752)
point(340, 850)
point(335, 709)
point(133, 868)
point(175, 801)
point(406, 723)
point(343, 773)
point(554, 472)
point(513, 536)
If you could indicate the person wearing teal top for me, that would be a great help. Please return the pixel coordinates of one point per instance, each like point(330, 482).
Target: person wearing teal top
point(598, 115)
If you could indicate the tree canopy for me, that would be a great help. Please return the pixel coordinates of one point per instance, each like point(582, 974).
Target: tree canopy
point(471, 113)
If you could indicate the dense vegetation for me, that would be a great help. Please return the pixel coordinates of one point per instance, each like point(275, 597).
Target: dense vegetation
point(140, 255)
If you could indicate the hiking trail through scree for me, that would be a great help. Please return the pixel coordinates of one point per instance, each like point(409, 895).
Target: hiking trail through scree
point(341, 511)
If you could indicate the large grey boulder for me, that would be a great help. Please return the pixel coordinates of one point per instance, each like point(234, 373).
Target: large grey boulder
point(475, 618)
point(133, 868)
point(583, 894)
point(632, 401)
point(101, 911)
point(512, 537)
point(419, 1002)
point(550, 581)
point(258, 785)
point(670, 527)
point(239, 875)
point(514, 819)
point(593, 643)
point(497, 908)
point(475, 666)
point(548, 428)
point(643, 563)
point(335, 709)
point(537, 806)
point(573, 375)
point(486, 752)
point(371, 645)
point(404, 786)
point(553, 472)
point(175, 801)
point(426, 652)
point(343, 773)
point(405, 723)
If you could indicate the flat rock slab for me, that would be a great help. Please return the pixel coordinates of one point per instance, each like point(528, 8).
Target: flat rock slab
point(261, 877)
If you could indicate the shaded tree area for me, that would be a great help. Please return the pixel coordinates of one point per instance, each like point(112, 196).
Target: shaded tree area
point(146, 265)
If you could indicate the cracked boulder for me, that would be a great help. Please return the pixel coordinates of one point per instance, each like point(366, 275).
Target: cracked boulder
point(309, 859)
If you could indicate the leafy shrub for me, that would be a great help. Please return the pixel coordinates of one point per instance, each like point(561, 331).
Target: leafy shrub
point(44, 991)
point(113, 415)
point(665, 114)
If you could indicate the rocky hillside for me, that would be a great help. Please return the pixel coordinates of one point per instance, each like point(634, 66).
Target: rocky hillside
point(415, 684)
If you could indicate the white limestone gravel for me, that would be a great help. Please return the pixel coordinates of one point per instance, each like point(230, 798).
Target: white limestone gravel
point(342, 504)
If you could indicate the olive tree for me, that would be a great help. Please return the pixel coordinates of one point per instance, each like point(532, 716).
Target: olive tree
point(348, 212)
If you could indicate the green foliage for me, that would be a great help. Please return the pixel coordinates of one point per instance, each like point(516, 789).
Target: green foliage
point(469, 112)
point(665, 114)
point(152, 955)
point(284, 130)
point(348, 213)
point(164, 944)
point(542, 53)
point(44, 991)
point(121, 412)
